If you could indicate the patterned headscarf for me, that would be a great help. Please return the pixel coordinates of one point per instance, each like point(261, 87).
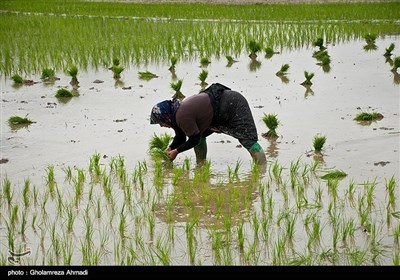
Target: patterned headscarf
point(164, 112)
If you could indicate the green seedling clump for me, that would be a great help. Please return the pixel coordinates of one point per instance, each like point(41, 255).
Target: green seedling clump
point(17, 79)
point(15, 120)
point(177, 88)
point(230, 60)
point(73, 72)
point(254, 48)
point(48, 74)
point(365, 116)
point(336, 174)
point(269, 52)
point(62, 92)
point(319, 142)
point(396, 63)
point(388, 51)
point(283, 70)
point(147, 75)
point(203, 76)
point(308, 79)
point(204, 61)
point(158, 144)
point(319, 43)
point(272, 122)
point(174, 61)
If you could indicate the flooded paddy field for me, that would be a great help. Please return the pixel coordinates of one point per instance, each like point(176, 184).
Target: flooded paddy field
point(79, 185)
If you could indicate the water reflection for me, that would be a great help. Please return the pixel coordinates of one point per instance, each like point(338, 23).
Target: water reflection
point(308, 92)
point(210, 199)
point(272, 149)
point(396, 78)
point(119, 83)
point(254, 65)
point(284, 79)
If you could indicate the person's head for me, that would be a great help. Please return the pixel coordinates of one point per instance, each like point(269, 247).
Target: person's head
point(163, 113)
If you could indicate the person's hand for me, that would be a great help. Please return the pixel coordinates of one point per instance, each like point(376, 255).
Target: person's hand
point(167, 150)
point(172, 154)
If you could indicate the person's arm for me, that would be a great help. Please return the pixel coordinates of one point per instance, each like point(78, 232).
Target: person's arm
point(178, 140)
point(189, 144)
point(208, 132)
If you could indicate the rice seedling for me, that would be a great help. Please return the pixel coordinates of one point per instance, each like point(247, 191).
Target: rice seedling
point(276, 172)
point(158, 144)
point(174, 61)
point(50, 179)
point(177, 88)
point(396, 64)
point(315, 235)
point(323, 57)
point(122, 224)
point(370, 188)
point(370, 38)
point(390, 189)
point(319, 43)
point(73, 72)
point(366, 117)
point(64, 93)
point(335, 174)
point(308, 77)
point(18, 120)
point(191, 240)
point(147, 75)
point(283, 70)
point(117, 70)
point(318, 143)
point(396, 234)
point(272, 122)
point(279, 251)
point(202, 77)
point(26, 193)
point(350, 191)
point(269, 52)
point(49, 75)
point(388, 50)
point(240, 236)
point(18, 80)
point(254, 47)
point(14, 216)
point(205, 61)
point(230, 60)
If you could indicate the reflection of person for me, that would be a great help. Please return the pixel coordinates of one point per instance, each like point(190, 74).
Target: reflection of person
point(216, 109)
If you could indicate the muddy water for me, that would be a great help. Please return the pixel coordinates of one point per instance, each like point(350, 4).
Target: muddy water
point(112, 119)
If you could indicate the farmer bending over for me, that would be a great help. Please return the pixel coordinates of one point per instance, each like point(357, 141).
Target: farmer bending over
point(216, 109)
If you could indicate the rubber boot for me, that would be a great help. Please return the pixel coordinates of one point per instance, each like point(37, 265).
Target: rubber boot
point(257, 154)
point(201, 150)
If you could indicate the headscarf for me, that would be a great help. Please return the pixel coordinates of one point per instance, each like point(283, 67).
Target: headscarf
point(164, 112)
